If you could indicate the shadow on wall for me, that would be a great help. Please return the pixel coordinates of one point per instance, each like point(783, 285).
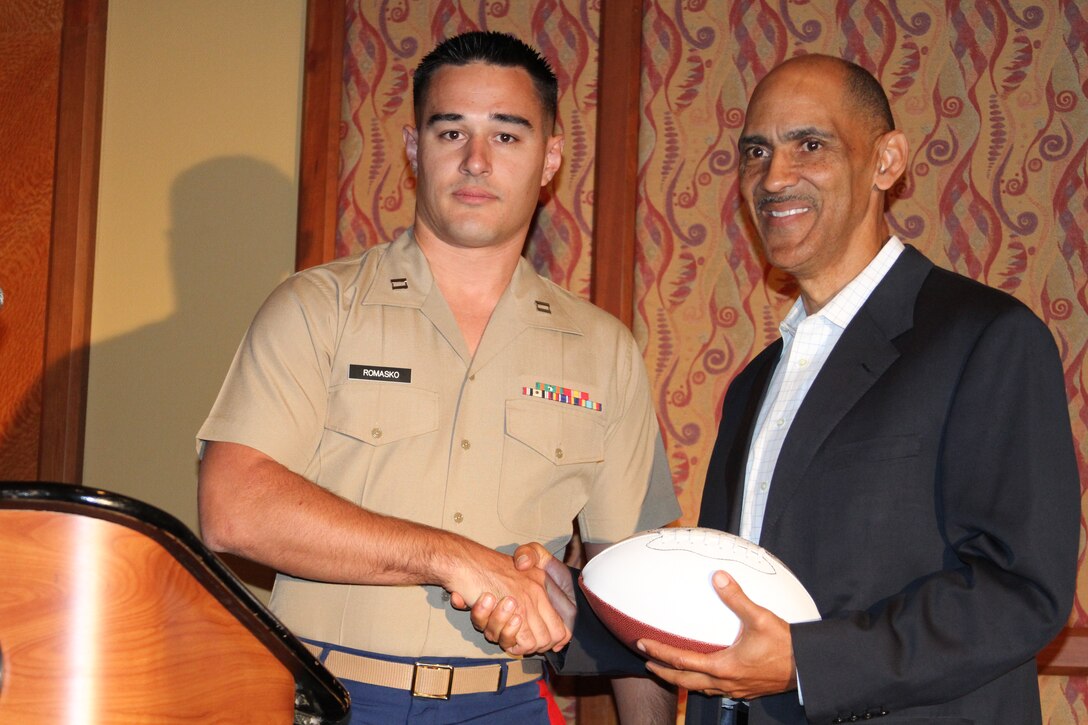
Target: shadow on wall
point(231, 241)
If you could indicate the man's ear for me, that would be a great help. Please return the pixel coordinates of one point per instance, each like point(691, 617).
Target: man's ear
point(411, 145)
point(891, 159)
point(553, 157)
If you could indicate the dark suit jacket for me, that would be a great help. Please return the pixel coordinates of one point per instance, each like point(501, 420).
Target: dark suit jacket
point(927, 495)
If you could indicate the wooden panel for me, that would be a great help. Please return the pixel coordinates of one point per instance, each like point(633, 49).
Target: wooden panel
point(319, 153)
point(52, 58)
point(1067, 654)
point(612, 285)
point(30, 34)
point(615, 189)
point(99, 623)
point(71, 266)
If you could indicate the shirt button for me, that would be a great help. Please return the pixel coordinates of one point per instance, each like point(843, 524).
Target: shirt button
point(472, 377)
point(779, 423)
point(558, 452)
point(376, 432)
point(763, 486)
point(802, 363)
point(458, 518)
point(465, 444)
point(445, 596)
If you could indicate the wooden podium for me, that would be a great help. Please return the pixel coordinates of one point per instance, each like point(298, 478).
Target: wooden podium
point(112, 611)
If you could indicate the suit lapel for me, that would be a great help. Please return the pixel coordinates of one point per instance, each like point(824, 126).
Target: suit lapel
point(860, 357)
point(724, 485)
point(737, 461)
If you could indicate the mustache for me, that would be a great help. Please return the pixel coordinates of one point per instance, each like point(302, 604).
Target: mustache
point(783, 199)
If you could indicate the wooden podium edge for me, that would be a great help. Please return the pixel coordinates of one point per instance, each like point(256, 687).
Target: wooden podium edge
point(317, 691)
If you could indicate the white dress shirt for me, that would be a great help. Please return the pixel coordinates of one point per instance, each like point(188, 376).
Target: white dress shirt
point(807, 343)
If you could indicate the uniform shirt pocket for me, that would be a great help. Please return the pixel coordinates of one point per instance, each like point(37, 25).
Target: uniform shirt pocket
point(381, 413)
point(550, 459)
point(562, 436)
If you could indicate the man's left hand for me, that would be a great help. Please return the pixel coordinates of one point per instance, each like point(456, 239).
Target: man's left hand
point(760, 662)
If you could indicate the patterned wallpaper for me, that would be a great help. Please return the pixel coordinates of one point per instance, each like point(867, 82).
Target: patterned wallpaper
point(992, 95)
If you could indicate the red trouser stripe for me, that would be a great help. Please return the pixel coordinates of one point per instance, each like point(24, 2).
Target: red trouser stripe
point(555, 717)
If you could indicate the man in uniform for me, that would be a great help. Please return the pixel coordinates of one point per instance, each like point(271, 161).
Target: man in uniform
point(394, 424)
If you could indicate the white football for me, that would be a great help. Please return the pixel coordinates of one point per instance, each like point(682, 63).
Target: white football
point(657, 585)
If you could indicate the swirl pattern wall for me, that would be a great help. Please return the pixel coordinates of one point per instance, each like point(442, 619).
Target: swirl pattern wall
point(992, 95)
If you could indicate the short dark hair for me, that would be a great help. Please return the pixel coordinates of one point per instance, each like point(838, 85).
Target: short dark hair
point(865, 92)
point(493, 48)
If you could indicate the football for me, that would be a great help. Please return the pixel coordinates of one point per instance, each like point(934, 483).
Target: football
point(657, 585)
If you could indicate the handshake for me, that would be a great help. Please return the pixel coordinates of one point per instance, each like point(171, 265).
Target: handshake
point(527, 606)
point(529, 610)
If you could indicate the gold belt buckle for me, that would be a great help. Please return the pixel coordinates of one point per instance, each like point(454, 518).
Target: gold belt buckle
point(426, 666)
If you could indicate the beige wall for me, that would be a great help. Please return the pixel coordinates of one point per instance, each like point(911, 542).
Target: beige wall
point(196, 223)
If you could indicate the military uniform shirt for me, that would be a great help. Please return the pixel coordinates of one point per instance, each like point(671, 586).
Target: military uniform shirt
point(356, 376)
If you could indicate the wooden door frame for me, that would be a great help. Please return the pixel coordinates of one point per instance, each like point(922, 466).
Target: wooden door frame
point(319, 147)
point(71, 258)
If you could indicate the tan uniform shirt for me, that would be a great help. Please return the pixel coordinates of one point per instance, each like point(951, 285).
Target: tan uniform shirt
point(355, 375)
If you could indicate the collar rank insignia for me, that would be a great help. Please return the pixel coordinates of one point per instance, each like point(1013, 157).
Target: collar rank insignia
point(399, 283)
point(544, 307)
point(579, 398)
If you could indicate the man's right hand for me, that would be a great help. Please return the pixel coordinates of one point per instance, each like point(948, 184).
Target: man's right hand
point(524, 593)
point(501, 620)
